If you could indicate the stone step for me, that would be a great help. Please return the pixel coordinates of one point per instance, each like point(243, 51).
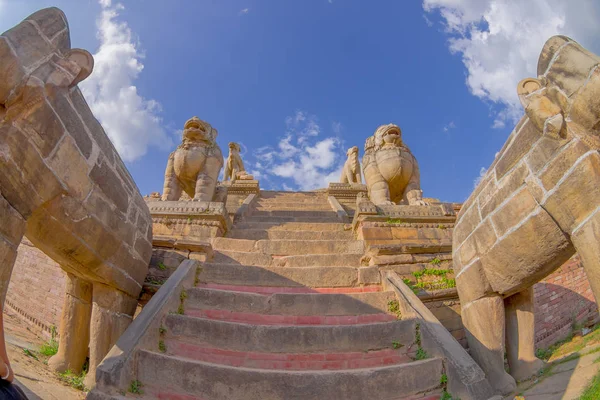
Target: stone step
point(292, 226)
point(258, 234)
point(236, 336)
point(312, 277)
point(267, 260)
point(298, 208)
point(268, 290)
point(289, 247)
point(262, 218)
point(294, 213)
point(289, 304)
point(179, 378)
point(288, 361)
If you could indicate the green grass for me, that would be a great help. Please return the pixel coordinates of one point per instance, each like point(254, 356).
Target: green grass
point(161, 266)
point(396, 345)
point(592, 392)
point(73, 380)
point(161, 346)
point(435, 261)
point(442, 281)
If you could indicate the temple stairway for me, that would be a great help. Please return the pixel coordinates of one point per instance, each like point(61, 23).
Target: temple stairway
point(280, 313)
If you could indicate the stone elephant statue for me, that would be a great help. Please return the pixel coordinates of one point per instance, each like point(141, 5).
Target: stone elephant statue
point(535, 207)
point(65, 187)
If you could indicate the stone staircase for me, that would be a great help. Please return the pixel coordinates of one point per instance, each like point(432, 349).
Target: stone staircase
point(282, 312)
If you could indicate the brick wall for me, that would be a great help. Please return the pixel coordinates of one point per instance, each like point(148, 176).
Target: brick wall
point(562, 300)
point(36, 289)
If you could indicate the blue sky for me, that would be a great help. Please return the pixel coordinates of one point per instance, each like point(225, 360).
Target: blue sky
point(299, 82)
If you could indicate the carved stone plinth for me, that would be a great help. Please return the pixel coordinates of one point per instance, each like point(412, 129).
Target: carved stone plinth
point(345, 191)
point(242, 187)
point(192, 220)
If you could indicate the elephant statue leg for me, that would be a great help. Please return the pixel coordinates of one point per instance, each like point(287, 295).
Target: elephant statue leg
point(207, 180)
point(520, 335)
point(112, 312)
point(172, 189)
point(74, 326)
point(484, 324)
point(585, 239)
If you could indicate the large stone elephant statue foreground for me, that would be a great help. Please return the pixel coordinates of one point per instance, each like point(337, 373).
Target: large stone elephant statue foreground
point(63, 185)
point(536, 206)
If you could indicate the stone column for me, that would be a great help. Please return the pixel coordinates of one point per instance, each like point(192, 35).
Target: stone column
point(112, 312)
point(74, 326)
point(12, 228)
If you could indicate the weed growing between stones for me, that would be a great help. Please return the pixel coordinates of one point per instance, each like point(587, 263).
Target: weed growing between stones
point(394, 308)
point(433, 278)
point(396, 345)
point(421, 353)
point(136, 387)
point(197, 276)
point(162, 266)
point(182, 297)
point(435, 261)
point(50, 347)
point(394, 221)
point(29, 353)
point(161, 346)
point(73, 380)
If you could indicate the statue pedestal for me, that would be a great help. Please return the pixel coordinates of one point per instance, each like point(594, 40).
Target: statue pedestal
point(194, 221)
point(242, 187)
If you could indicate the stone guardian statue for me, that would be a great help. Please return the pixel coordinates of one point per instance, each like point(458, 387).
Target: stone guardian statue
point(234, 166)
point(351, 172)
point(391, 171)
point(194, 166)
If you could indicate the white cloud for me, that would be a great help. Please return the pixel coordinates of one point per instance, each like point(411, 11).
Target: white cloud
point(244, 11)
point(309, 162)
point(131, 121)
point(477, 180)
point(449, 126)
point(500, 41)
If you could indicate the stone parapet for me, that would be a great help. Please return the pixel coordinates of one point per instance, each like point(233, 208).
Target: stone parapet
point(346, 190)
point(242, 187)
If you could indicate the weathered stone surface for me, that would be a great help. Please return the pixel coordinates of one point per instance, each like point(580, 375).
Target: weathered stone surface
point(541, 194)
point(75, 208)
point(583, 184)
point(482, 239)
point(234, 166)
point(511, 213)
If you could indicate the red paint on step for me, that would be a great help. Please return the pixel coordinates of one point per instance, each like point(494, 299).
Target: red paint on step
point(274, 289)
point(289, 361)
point(266, 319)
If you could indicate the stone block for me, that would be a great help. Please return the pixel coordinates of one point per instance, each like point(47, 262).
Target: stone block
point(70, 166)
point(571, 67)
point(506, 187)
point(369, 276)
point(548, 52)
point(531, 252)
point(558, 166)
point(12, 72)
point(585, 110)
point(73, 123)
point(513, 212)
point(466, 224)
point(577, 196)
point(482, 239)
point(521, 145)
point(107, 180)
point(12, 224)
point(543, 151)
point(472, 283)
point(29, 46)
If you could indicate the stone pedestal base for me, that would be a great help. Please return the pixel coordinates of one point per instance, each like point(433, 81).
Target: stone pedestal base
point(192, 220)
point(242, 187)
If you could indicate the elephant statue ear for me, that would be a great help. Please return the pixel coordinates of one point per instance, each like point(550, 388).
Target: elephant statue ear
point(84, 60)
point(526, 87)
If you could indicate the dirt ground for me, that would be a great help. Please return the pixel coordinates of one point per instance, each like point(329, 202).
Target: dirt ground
point(33, 375)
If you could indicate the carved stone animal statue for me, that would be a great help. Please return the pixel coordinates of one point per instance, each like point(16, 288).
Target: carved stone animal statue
point(351, 172)
point(537, 205)
point(234, 166)
point(64, 186)
point(194, 166)
point(391, 171)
